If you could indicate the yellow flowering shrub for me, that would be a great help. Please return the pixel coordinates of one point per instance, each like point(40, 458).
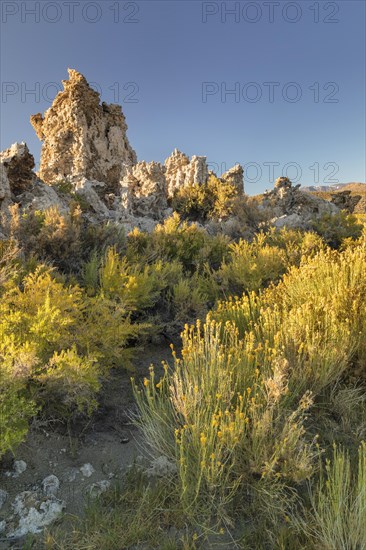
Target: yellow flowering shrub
point(55, 342)
point(234, 407)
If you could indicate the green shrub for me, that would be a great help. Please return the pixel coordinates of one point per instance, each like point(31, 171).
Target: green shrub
point(55, 343)
point(337, 227)
point(71, 381)
point(135, 287)
point(234, 408)
point(177, 240)
point(295, 243)
point(16, 409)
point(251, 266)
point(336, 519)
point(221, 421)
point(63, 240)
point(188, 301)
point(211, 200)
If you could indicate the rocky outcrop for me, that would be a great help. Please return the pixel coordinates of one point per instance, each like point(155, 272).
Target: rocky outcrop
point(86, 158)
point(83, 138)
point(175, 174)
point(182, 172)
point(16, 171)
point(18, 183)
point(144, 190)
point(291, 207)
point(41, 197)
point(5, 192)
point(89, 191)
point(235, 176)
point(345, 200)
point(197, 171)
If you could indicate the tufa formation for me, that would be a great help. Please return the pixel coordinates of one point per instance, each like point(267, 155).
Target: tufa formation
point(86, 156)
point(82, 137)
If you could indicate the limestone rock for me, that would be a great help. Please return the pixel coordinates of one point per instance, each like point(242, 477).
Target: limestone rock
point(87, 470)
point(83, 138)
point(176, 166)
point(197, 171)
point(98, 488)
point(16, 175)
point(50, 485)
point(32, 513)
point(88, 190)
point(19, 467)
point(235, 176)
point(161, 467)
point(293, 221)
point(180, 171)
point(291, 207)
point(5, 192)
point(345, 200)
point(41, 197)
point(144, 190)
point(16, 165)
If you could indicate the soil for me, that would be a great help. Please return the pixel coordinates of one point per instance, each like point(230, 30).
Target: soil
point(108, 441)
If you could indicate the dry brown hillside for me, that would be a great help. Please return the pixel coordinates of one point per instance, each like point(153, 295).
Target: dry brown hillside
point(355, 188)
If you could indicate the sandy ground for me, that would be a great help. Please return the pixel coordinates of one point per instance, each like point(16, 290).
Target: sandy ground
point(109, 442)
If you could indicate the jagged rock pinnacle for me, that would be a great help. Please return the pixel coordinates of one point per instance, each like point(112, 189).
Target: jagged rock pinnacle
point(83, 137)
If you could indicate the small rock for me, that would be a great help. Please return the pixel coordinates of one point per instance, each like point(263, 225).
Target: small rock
point(161, 467)
point(3, 497)
point(19, 467)
point(70, 475)
point(98, 488)
point(33, 514)
point(50, 485)
point(87, 470)
point(2, 526)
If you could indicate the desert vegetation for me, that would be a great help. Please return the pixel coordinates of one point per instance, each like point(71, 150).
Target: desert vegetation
point(250, 431)
point(261, 412)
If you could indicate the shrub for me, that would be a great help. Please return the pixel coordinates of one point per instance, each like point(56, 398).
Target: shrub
point(295, 243)
point(177, 240)
point(337, 227)
point(234, 408)
point(211, 200)
point(55, 343)
point(9, 252)
point(135, 288)
point(316, 314)
point(63, 239)
point(188, 301)
point(50, 235)
point(71, 381)
point(107, 332)
point(338, 504)
point(222, 421)
point(251, 266)
point(16, 409)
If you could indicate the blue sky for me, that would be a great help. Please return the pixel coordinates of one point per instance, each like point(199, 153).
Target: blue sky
point(296, 69)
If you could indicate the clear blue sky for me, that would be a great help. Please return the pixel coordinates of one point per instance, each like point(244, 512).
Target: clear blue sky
point(169, 49)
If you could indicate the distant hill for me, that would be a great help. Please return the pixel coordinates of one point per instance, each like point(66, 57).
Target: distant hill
point(356, 187)
point(325, 191)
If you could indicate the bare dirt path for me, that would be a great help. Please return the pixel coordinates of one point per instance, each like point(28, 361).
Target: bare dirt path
point(84, 460)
